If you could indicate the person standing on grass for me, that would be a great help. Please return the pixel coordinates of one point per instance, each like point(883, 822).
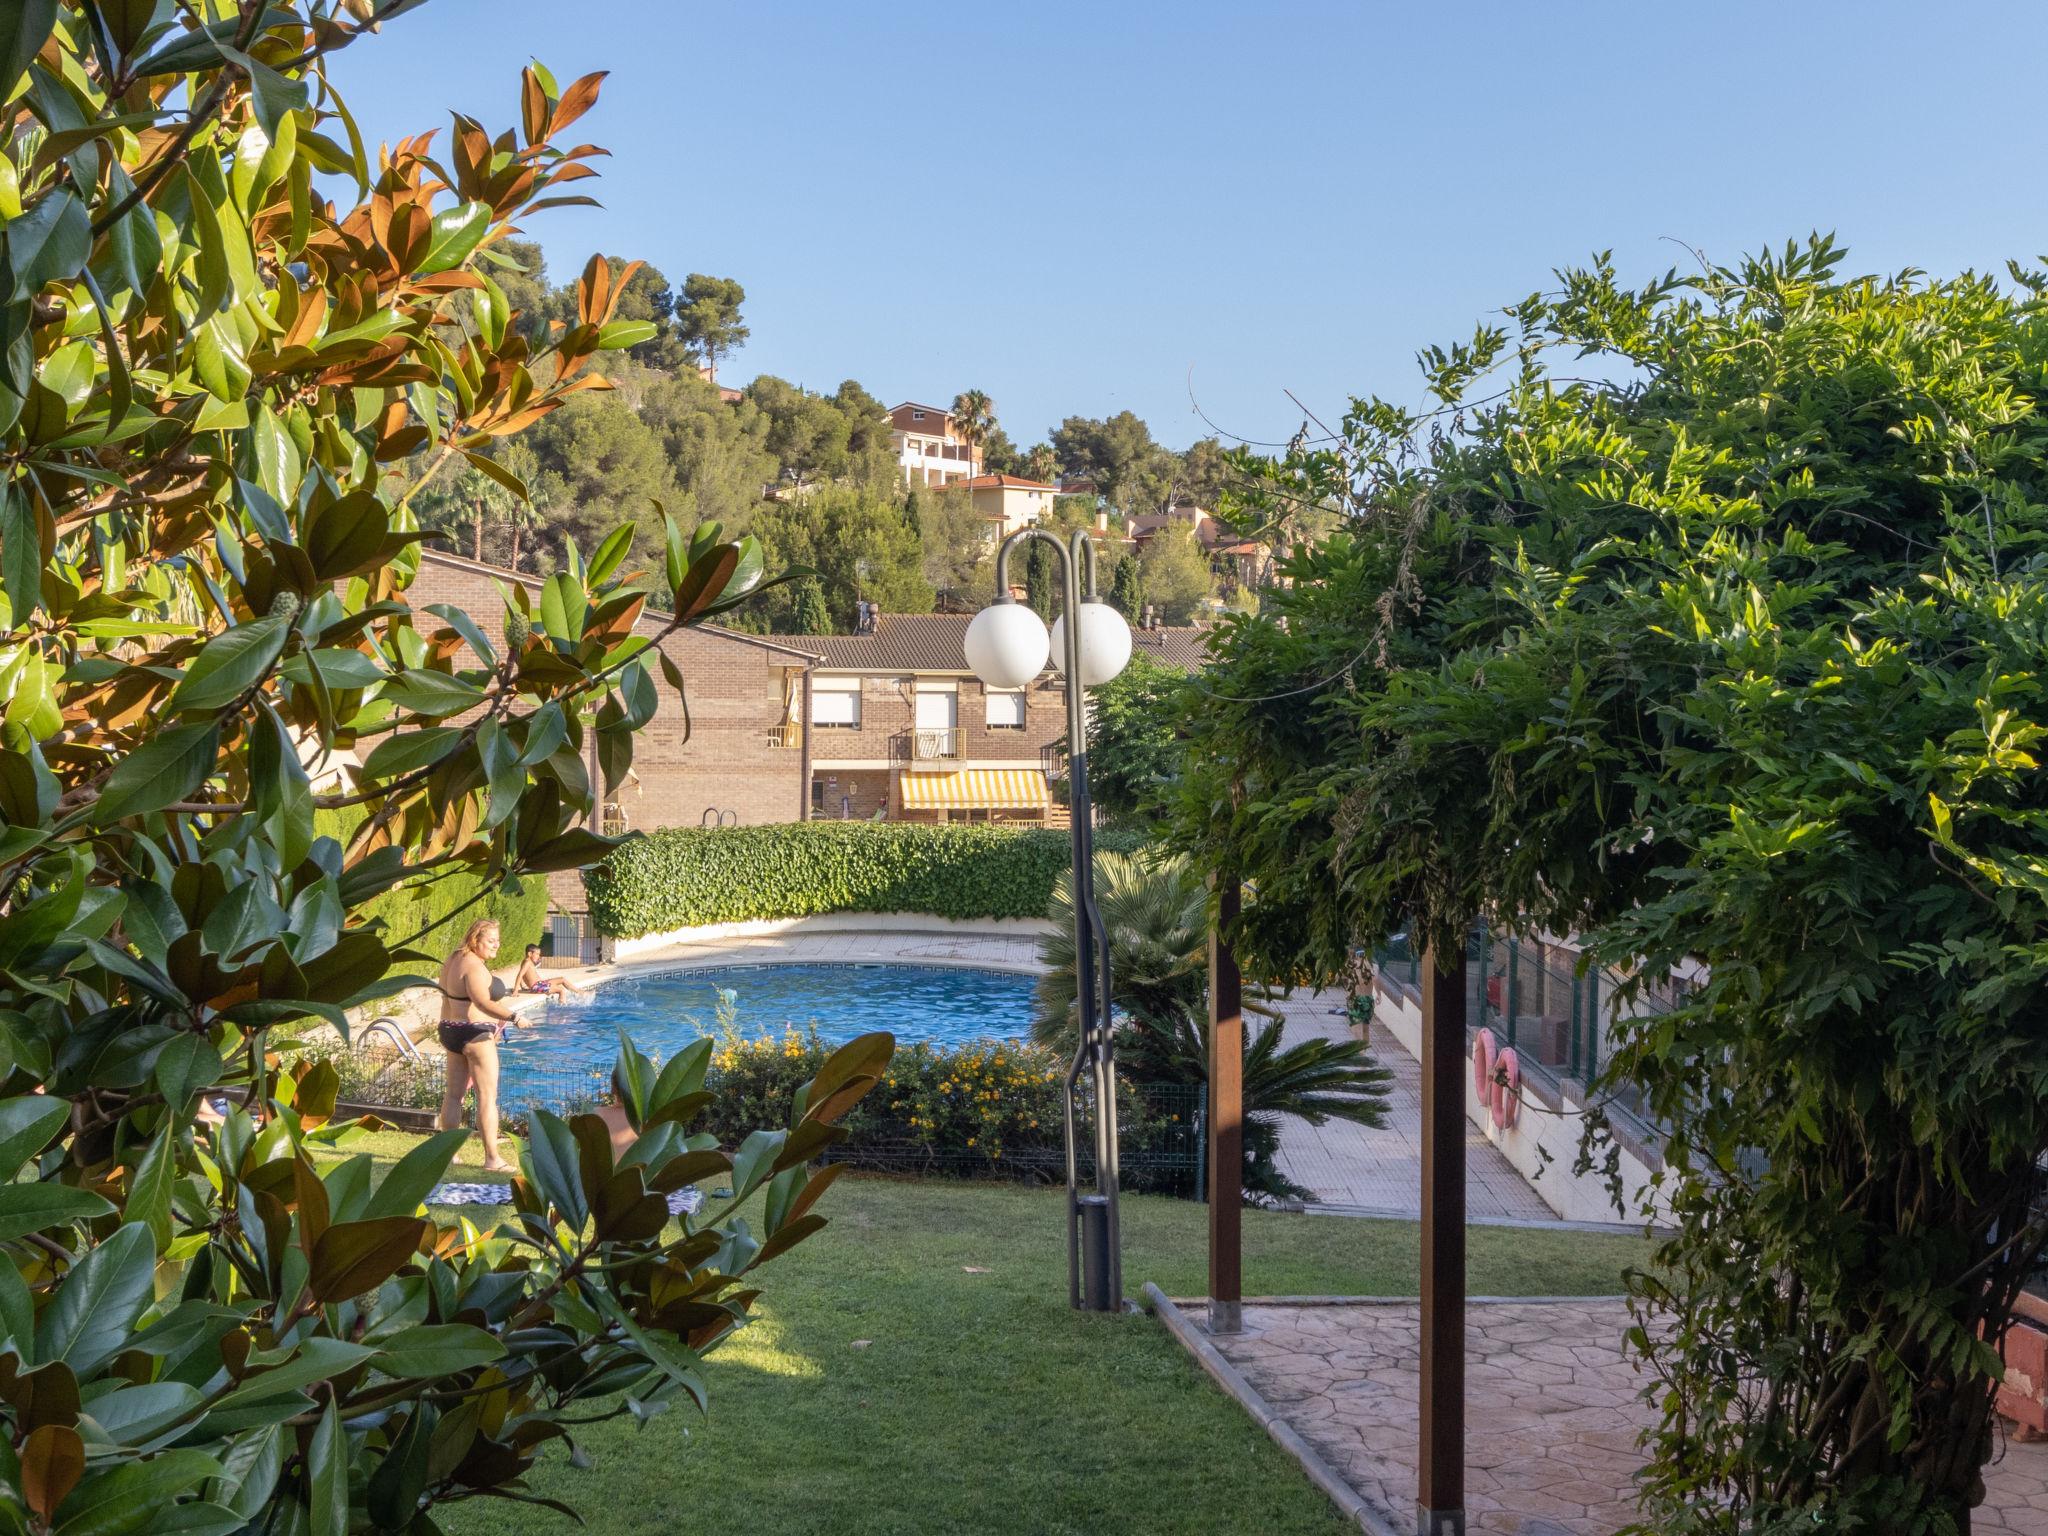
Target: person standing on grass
point(472, 1022)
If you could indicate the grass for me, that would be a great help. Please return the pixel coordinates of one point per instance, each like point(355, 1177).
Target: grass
point(914, 1368)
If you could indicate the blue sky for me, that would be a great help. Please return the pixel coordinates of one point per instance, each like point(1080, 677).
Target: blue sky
point(1075, 206)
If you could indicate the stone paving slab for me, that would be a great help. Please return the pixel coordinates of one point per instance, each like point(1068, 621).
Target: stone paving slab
point(1378, 1170)
point(1552, 1405)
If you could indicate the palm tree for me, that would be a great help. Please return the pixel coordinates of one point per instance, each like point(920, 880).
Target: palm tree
point(1155, 910)
point(974, 417)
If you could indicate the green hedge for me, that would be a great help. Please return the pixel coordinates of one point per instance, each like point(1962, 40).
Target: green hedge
point(408, 909)
point(682, 877)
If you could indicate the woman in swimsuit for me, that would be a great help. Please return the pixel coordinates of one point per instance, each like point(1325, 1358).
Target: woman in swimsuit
point(472, 1020)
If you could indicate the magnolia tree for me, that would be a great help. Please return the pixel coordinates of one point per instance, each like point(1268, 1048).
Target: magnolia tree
point(207, 374)
point(1730, 654)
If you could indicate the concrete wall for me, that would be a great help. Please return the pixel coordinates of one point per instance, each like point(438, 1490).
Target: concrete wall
point(1543, 1143)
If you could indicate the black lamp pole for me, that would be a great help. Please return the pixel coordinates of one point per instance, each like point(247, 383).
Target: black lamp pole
point(1095, 1279)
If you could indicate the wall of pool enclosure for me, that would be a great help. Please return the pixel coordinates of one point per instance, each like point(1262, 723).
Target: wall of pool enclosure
point(1559, 1016)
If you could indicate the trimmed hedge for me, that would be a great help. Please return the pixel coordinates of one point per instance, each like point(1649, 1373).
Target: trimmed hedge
point(683, 877)
point(409, 909)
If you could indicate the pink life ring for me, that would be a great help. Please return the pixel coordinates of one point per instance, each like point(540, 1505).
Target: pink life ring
point(1482, 1065)
point(1507, 1088)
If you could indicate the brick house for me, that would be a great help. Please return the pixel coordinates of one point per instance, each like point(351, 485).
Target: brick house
point(902, 729)
point(742, 761)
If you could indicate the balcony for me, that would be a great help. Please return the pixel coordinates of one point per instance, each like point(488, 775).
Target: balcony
point(924, 745)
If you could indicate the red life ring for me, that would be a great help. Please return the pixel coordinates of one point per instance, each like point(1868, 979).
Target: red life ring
point(1482, 1065)
point(1507, 1088)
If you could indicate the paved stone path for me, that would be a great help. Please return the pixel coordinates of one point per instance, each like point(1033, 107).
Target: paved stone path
point(1357, 1170)
point(1552, 1412)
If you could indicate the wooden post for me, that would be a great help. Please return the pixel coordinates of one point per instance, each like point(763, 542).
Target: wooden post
point(1440, 1463)
point(1226, 1119)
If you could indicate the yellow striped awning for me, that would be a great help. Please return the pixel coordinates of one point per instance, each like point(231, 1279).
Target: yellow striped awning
point(991, 789)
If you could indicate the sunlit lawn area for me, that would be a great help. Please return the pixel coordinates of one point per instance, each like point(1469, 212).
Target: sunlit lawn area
point(914, 1368)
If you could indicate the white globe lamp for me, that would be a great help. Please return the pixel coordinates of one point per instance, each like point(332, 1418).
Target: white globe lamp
point(1105, 643)
point(1007, 644)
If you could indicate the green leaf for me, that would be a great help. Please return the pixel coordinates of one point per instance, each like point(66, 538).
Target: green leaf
point(455, 233)
point(231, 663)
point(551, 1164)
point(327, 1475)
point(272, 94)
point(562, 604)
point(406, 1186)
point(464, 626)
point(433, 694)
point(26, 1208)
point(611, 554)
point(25, 26)
point(161, 772)
point(438, 1349)
point(281, 788)
point(187, 1064)
point(318, 1359)
point(49, 243)
point(620, 334)
point(94, 1310)
point(503, 769)
point(21, 553)
point(396, 756)
point(26, 1125)
point(132, 1496)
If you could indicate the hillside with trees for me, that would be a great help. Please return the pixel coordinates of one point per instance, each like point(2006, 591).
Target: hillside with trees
point(812, 474)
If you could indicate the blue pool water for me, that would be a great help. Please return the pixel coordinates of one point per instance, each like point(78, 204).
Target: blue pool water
point(569, 1051)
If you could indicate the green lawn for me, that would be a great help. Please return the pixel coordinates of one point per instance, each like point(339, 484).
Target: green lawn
point(914, 1368)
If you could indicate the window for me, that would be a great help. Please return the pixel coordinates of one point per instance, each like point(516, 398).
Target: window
point(835, 702)
point(937, 710)
point(1006, 709)
point(917, 415)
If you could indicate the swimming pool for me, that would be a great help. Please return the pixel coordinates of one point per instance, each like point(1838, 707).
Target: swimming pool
point(570, 1049)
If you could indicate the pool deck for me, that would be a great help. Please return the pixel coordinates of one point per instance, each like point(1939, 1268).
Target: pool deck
point(1008, 952)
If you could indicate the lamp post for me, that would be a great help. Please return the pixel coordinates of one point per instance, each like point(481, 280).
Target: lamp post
point(1007, 646)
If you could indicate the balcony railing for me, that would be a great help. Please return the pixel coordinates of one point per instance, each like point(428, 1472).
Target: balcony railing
point(925, 744)
point(1052, 758)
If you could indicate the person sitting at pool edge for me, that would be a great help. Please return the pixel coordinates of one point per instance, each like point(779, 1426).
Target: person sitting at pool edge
point(472, 1022)
point(529, 978)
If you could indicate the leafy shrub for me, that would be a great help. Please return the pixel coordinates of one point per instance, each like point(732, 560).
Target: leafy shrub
point(987, 1109)
point(681, 877)
point(221, 392)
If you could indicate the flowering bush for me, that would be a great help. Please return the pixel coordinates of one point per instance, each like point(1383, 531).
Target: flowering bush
point(990, 1108)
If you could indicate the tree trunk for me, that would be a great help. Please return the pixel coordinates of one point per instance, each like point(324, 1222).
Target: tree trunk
point(515, 546)
point(478, 523)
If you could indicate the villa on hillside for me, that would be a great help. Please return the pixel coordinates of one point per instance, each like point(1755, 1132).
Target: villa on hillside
point(928, 449)
point(1010, 502)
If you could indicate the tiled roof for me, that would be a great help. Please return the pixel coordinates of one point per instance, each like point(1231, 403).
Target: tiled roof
point(901, 642)
point(1185, 648)
point(1006, 482)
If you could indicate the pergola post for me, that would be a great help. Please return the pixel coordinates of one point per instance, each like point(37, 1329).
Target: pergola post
point(1440, 1463)
point(1226, 1119)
